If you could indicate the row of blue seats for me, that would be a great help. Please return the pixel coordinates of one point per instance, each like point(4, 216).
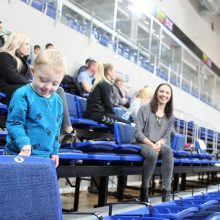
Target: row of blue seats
point(203, 132)
point(204, 206)
point(26, 193)
point(77, 109)
point(41, 6)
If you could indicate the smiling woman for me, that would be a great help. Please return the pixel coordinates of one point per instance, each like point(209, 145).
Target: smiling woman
point(153, 129)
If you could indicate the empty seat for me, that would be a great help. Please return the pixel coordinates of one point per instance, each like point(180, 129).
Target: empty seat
point(201, 150)
point(77, 107)
point(29, 189)
point(38, 5)
point(106, 41)
point(124, 136)
point(51, 10)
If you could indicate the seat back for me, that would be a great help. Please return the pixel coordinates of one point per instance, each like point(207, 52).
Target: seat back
point(200, 146)
point(124, 133)
point(71, 103)
point(81, 105)
point(29, 189)
point(177, 141)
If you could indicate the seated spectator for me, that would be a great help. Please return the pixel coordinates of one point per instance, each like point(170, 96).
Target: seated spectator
point(99, 103)
point(120, 94)
point(37, 50)
point(144, 96)
point(87, 77)
point(154, 125)
point(35, 111)
point(49, 46)
point(84, 67)
point(15, 72)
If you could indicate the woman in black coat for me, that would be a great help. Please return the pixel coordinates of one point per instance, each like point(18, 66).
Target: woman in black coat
point(14, 70)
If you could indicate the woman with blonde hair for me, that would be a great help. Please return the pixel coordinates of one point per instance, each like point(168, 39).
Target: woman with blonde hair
point(143, 97)
point(14, 70)
point(99, 101)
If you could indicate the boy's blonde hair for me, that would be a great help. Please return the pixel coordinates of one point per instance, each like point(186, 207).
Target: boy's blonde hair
point(52, 58)
point(13, 43)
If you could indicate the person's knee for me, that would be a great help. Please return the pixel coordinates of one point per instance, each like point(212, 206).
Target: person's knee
point(149, 154)
point(166, 149)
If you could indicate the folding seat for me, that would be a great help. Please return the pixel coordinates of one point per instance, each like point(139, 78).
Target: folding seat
point(124, 137)
point(177, 144)
point(95, 35)
point(29, 189)
point(201, 150)
point(77, 108)
point(26, 1)
point(126, 52)
point(51, 10)
point(120, 49)
point(133, 56)
point(81, 104)
point(151, 67)
point(75, 24)
point(106, 41)
point(37, 4)
point(173, 80)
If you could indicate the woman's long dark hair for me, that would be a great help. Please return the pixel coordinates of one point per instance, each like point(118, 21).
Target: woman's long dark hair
point(169, 106)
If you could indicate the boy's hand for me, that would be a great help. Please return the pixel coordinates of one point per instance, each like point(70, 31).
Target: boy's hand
point(55, 158)
point(25, 151)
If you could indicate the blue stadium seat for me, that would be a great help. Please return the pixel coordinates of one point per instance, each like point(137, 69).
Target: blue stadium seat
point(201, 150)
point(3, 107)
point(96, 146)
point(77, 107)
point(51, 10)
point(95, 36)
point(75, 24)
point(37, 4)
point(3, 134)
point(120, 49)
point(81, 104)
point(133, 56)
point(106, 41)
point(177, 144)
point(122, 113)
point(151, 67)
point(124, 136)
point(173, 80)
point(201, 204)
point(25, 1)
point(29, 189)
point(160, 211)
point(185, 87)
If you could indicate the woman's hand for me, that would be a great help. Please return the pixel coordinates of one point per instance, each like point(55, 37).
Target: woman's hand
point(157, 147)
point(55, 158)
point(25, 151)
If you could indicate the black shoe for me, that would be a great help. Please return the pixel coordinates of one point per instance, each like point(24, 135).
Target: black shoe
point(144, 195)
point(165, 195)
point(70, 138)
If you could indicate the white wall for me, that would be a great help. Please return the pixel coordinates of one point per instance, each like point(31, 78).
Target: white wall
point(197, 28)
point(76, 47)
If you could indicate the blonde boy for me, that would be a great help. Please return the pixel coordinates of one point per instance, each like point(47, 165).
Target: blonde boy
point(35, 111)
